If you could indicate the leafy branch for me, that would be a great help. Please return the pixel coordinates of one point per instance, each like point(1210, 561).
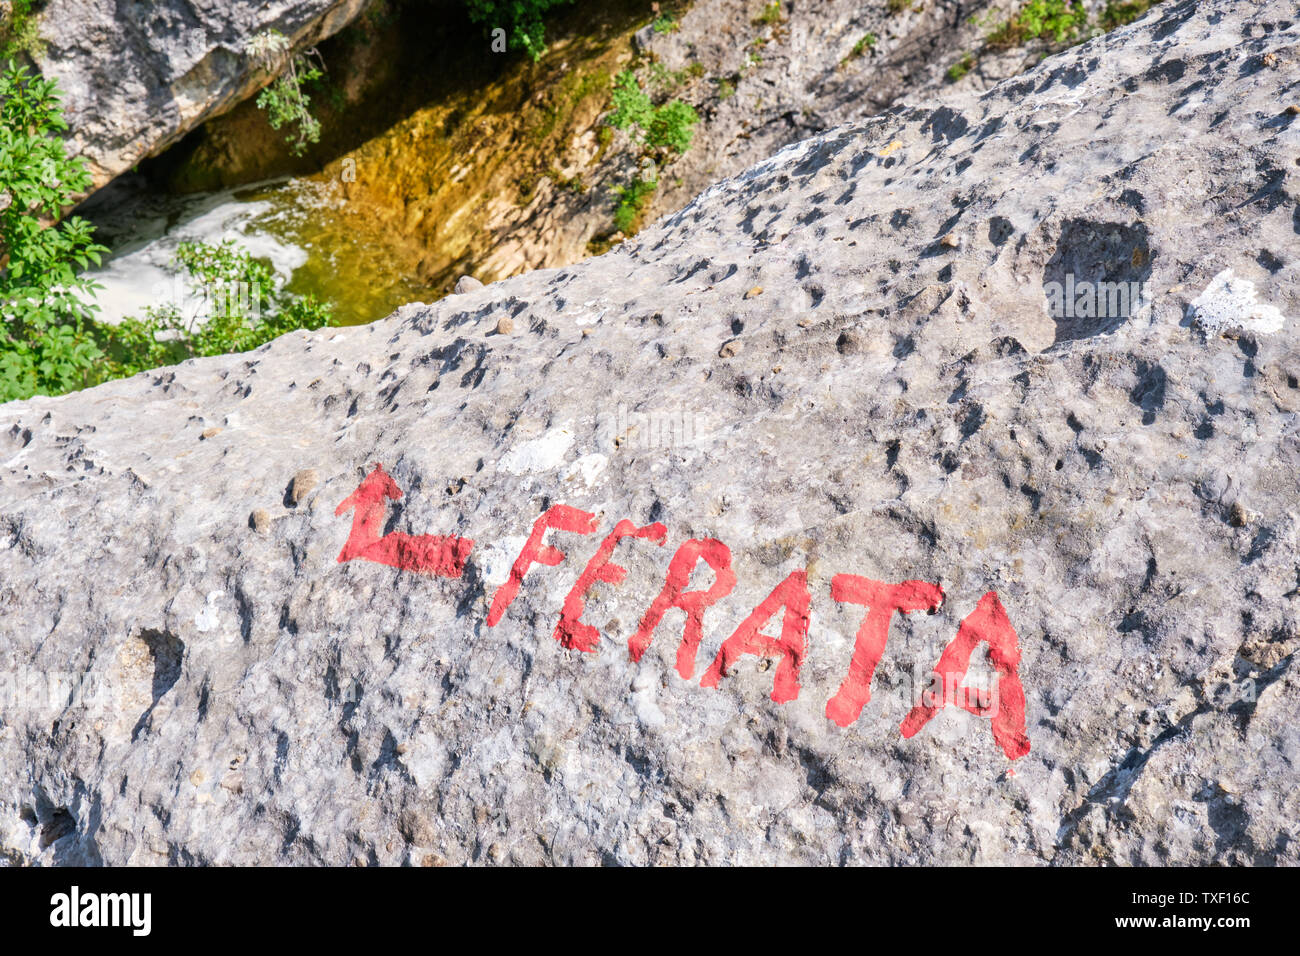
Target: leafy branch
point(285, 101)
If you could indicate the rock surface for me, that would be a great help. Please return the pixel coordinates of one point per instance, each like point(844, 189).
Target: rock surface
point(137, 76)
point(193, 676)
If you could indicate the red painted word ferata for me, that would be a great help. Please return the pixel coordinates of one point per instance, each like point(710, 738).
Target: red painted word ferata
point(445, 555)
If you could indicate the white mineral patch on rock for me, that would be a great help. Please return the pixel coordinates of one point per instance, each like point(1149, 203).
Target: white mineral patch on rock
point(1230, 302)
point(425, 757)
point(495, 560)
point(644, 689)
point(588, 469)
point(539, 454)
point(209, 615)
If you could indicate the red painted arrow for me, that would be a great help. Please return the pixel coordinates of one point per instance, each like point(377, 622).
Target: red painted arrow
point(439, 554)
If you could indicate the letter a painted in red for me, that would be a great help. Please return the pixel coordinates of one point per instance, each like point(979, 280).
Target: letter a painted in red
point(791, 594)
point(438, 554)
point(987, 624)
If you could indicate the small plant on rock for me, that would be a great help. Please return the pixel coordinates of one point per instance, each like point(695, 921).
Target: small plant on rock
point(1124, 12)
point(285, 101)
point(867, 42)
point(1055, 20)
point(961, 67)
point(522, 20)
point(632, 200)
point(664, 131)
point(670, 126)
point(770, 16)
point(666, 23)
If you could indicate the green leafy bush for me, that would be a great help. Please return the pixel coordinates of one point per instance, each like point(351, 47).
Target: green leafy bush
point(673, 126)
point(244, 307)
point(49, 341)
point(632, 105)
point(46, 345)
point(523, 21)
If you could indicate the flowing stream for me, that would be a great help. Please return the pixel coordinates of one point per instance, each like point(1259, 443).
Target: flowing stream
point(294, 225)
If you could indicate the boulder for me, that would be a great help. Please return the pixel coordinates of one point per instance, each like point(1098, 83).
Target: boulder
point(136, 77)
point(977, 551)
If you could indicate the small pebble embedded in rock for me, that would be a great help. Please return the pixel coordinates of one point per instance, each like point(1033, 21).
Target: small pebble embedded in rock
point(303, 483)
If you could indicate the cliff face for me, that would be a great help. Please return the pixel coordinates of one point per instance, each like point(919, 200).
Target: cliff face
point(1030, 365)
point(504, 165)
point(138, 76)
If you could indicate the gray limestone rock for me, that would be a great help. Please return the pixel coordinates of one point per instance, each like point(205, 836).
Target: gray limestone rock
point(135, 77)
point(1087, 406)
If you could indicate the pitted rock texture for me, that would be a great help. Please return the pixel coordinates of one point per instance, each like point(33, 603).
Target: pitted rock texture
point(193, 677)
point(135, 77)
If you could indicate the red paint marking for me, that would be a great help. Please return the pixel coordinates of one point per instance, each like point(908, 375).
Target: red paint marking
point(674, 594)
point(571, 632)
point(987, 624)
point(559, 517)
point(443, 555)
point(883, 601)
point(791, 594)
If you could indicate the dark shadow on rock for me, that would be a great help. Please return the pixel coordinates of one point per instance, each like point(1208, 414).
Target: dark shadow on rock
point(1096, 277)
point(166, 650)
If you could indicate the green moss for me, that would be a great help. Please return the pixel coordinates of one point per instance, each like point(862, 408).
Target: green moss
point(770, 16)
point(572, 183)
point(632, 200)
point(961, 67)
point(557, 112)
point(1056, 20)
point(19, 33)
point(868, 42)
point(1124, 12)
